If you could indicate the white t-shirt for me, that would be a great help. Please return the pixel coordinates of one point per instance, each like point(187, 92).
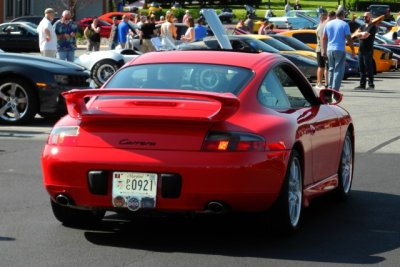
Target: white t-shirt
point(43, 44)
point(287, 8)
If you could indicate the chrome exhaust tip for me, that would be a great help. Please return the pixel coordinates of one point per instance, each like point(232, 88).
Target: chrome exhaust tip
point(216, 207)
point(63, 200)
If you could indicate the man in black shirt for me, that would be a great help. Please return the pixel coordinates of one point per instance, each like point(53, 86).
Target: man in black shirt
point(366, 34)
point(297, 6)
point(147, 31)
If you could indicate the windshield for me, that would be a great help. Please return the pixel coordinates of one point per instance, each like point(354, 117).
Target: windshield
point(311, 13)
point(258, 45)
point(199, 77)
point(386, 40)
point(277, 44)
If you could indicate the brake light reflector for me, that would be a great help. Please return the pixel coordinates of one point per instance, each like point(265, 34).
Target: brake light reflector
point(233, 141)
point(63, 135)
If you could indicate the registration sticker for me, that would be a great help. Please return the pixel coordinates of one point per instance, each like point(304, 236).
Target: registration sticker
point(134, 190)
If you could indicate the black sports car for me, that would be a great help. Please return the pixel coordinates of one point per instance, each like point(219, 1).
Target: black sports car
point(31, 85)
point(33, 19)
point(19, 37)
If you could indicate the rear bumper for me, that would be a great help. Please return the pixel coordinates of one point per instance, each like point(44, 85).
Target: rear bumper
point(244, 181)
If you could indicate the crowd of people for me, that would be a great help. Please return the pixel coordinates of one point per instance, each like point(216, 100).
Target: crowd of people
point(59, 40)
point(333, 35)
point(145, 28)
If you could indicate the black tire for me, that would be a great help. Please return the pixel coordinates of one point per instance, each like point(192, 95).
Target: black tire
point(287, 211)
point(345, 170)
point(76, 217)
point(18, 101)
point(103, 70)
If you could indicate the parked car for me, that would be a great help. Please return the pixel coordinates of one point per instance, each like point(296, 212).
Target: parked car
point(384, 41)
point(351, 64)
point(19, 37)
point(105, 27)
point(394, 35)
point(31, 85)
point(33, 19)
point(154, 7)
point(382, 27)
point(108, 17)
point(308, 66)
point(156, 137)
point(382, 56)
point(378, 10)
point(103, 64)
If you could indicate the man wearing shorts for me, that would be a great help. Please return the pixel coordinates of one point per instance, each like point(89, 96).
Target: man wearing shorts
point(321, 71)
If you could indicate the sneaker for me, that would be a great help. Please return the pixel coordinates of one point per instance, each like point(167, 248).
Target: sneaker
point(319, 87)
point(359, 87)
point(371, 87)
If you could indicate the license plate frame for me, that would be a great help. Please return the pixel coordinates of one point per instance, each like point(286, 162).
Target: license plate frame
point(134, 190)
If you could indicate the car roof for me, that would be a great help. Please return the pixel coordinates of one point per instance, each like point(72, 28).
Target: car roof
point(240, 59)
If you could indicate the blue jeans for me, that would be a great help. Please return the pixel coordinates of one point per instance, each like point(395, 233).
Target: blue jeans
point(366, 67)
point(67, 55)
point(336, 63)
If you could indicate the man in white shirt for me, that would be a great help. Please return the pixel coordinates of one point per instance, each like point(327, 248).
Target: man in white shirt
point(47, 35)
point(287, 7)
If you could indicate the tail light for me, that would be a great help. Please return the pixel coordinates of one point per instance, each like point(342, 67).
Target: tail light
point(63, 136)
point(233, 141)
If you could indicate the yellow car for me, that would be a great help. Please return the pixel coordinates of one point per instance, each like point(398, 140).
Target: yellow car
point(282, 46)
point(154, 7)
point(382, 56)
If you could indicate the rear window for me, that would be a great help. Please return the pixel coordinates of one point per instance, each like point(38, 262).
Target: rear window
point(378, 10)
point(200, 77)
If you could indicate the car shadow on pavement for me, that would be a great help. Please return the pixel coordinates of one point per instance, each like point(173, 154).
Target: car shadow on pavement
point(3, 238)
point(352, 232)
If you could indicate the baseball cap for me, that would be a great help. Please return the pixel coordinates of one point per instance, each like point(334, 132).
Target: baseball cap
point(49, 10)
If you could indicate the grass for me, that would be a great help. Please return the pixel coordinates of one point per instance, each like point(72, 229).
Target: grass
point(277, 6)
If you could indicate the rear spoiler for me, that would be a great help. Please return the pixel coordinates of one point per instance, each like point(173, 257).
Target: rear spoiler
point(150, 104)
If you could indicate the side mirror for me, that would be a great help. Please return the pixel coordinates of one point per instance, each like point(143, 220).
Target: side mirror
point(330, 97)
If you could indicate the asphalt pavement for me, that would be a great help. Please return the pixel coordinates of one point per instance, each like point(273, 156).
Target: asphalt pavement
point(365, 230)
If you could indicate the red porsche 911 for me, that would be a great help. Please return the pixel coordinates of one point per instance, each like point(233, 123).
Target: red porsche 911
point(211, 131)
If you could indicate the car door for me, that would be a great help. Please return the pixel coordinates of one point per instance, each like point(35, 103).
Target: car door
point(318, 126)
point(24, 41)
point(5, 35)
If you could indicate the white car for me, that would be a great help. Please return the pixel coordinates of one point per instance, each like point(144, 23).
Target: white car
point(103, 64)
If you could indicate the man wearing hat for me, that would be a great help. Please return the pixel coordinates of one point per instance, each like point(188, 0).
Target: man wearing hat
point(47, 34)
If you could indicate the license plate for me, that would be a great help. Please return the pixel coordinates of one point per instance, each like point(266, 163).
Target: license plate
point(134, 190)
